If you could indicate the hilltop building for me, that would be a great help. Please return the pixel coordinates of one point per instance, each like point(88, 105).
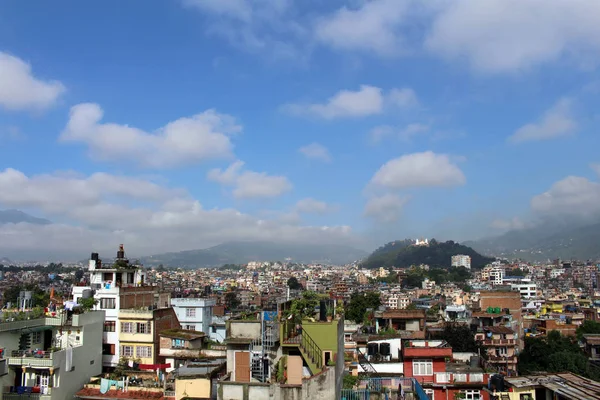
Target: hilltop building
point(461, 260)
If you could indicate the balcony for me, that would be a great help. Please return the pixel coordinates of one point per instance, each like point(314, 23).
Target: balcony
point(24, 396)
point(456, 378)
point(41, 359)
point(499, 342)
point(30, 323)
point(502, 359)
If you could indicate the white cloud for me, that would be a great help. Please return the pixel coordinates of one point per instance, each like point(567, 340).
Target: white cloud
point(372, 27)
point(403, 98)
point(386, 208)
point(256, 26)
point(364, 102)
point(183, 141)
point(315, 151)
point(419, 170)
point(312, 206)
point(20, 90)
point(62, 193)
point(250, 184)
point(510, 35)
point(556, 122)
point(106, 210)
point(572, 197)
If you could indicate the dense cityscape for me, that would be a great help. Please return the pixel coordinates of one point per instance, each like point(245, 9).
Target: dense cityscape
point(271, 329)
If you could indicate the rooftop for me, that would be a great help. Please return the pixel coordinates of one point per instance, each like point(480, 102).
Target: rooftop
point(568, 385)
point(182, 334)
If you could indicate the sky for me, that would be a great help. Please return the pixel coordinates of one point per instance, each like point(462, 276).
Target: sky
point(181, 124)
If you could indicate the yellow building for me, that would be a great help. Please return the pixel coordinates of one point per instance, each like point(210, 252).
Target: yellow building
point(139, 333)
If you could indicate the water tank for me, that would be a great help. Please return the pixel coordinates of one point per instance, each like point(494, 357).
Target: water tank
point(385, 349)
point(94, 257)
point(475, 361)
point(372, 349)
point(86, 293)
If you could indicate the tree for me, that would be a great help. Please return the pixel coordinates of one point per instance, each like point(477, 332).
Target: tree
point(231, 301)
point(459, 336)
point(517, 272)
point(358, 304)
point(554, 353)
point(294, 284)
point(588, 327)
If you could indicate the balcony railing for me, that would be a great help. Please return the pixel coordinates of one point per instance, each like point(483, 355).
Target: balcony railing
point(449, 377)
point(499, 342)
point(37, 358)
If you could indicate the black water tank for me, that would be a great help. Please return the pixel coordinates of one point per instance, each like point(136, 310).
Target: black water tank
point(94, 256)
point(385, 349)
point(372, 348)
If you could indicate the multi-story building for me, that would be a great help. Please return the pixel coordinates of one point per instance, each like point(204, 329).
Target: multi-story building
point(500, 344)
point(117, 285)
point(194, 314)
point(461, 260)
point(397, 301)
point(50, 357)
point(427, 362)
point(526, 289)
point(139, 331)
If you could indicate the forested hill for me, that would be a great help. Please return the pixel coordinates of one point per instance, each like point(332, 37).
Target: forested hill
point(402, 254)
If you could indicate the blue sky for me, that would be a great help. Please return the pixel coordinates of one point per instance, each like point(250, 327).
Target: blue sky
point(181, 124)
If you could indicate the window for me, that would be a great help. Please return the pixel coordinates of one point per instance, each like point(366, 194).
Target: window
point(177, 343)
point(36, 337)
point(502, 351)
point(429, 393)
point(109, 326)
point(107, 303)
point(144, 327)
point(126, 351)
point(108, 349)
point(190, 327)
point(422, 367)
point(143, 351)
point(442, 377)
point(190, 312)
point(214, 330)
point(471, 394)
point(126, 327)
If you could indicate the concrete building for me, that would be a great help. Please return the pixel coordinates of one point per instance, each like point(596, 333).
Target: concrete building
point(50, 357)
point(461, 260)
point(118, 285)
point(527, 290)
point(139, 333)
point(194, 314)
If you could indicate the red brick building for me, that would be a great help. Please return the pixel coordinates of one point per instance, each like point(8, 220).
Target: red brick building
point(430, 362)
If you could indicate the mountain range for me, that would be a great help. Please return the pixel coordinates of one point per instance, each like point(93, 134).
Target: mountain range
point(17, 216)
point(404, 253)
point(544, 242)
point(244, 252)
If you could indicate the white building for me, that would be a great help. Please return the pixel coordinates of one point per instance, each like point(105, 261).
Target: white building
point(52, 356)
point(461, 260)
point(556, 272)
point(194, 314)
point(397, 301)
point(526, 289)
point(496, 275)
point(109, 284)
